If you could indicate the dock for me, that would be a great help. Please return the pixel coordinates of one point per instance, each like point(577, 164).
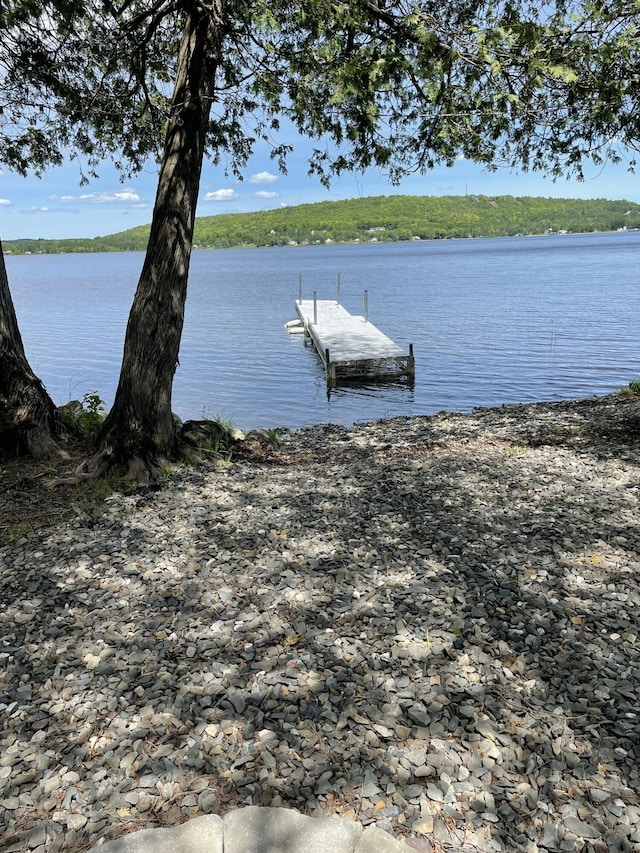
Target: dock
point(351, 348)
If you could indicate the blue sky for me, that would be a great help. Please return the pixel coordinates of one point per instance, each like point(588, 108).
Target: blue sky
point(56, 206)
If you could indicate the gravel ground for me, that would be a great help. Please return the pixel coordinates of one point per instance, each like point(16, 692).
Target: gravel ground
point(427, 624)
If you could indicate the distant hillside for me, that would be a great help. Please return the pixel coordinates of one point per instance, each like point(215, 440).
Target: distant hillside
point(378, 218)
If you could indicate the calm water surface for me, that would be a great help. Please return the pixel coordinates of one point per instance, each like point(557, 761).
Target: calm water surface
point(492, 322)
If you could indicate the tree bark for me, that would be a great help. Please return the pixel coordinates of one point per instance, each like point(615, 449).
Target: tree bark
point(139, 431)
point(28, 416)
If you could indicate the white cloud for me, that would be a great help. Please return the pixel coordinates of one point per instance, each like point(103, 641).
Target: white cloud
point(4, 202)
point(121, 197)
point(263, 178)
point(221, 195)
point(44, 209)
point(265, 194)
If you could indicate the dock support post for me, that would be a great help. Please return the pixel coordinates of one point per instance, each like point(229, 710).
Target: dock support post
point(315, 307)
point(330, 368)
point(366, 306)
point(338, 296)
point(299, 287)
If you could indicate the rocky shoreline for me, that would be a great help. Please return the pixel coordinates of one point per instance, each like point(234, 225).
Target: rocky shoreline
point(428, 625)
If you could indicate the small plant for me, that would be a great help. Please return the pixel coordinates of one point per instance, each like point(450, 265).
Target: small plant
point(516, 450)
point(275, 437)
point(82, 419)
point(88, 495)
point(11, 467)
point(212, 439)
point(632, 389)
point(15, 532)
point(223, 422)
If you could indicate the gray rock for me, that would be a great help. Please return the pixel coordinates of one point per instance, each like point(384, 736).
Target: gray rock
point(258, 830)
point(581, 828)
point(200, 835)
point(419, 714)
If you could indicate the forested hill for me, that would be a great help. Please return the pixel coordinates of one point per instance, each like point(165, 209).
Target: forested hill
point(378, 218)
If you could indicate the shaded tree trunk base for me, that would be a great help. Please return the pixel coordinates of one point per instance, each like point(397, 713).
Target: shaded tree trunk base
point(196, 442)
point(138, 469)
point(35, 443)
point(29, 421)
point(29, 424)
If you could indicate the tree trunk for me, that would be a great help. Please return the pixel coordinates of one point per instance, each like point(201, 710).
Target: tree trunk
point(139, 431)
point(28, 419)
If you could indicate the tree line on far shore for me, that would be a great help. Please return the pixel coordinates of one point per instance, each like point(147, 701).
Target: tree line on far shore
point(378, 218)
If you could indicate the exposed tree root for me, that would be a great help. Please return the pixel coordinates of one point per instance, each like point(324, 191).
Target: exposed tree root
point(139, 469)
point(197, 442)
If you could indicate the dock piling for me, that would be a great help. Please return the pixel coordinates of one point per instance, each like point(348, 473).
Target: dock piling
point(299, 287)
point(330, 368)
point(315, 307)
point(366, 306)
point(338, 295)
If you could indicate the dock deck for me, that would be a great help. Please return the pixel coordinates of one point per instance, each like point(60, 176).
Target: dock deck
point(351, 347)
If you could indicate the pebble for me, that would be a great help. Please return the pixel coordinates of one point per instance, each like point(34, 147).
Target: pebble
point(427, 623)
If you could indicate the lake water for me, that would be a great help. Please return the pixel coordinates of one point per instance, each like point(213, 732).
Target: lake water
point(492, 321)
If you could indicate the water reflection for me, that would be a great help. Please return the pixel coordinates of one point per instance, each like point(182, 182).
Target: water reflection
point(379, 389)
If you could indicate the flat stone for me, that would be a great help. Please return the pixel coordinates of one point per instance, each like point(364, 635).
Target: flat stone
point(286, 831)
point(259, 830)
point(200, 835)
point(581, 828)
point(255, 830)
point(374, 840)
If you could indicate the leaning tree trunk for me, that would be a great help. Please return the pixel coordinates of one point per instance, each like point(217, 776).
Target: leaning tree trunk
point(139, 430)
point(28, 420)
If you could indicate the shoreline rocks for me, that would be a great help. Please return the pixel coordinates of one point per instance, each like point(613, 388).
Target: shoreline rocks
point(427, 625)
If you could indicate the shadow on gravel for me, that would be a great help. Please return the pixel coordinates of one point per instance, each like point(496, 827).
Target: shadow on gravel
point(428, 625)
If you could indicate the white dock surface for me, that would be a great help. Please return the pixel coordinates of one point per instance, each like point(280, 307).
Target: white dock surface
point(347, 337)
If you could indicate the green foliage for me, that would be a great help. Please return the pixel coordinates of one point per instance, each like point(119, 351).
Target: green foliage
point(403, 86)
point(224, 423)
point(275, 437)
point(379, 218)
point(516, 450)
point(83, 419)
point(207, 439)
point(14, 533)
point(632, 389)
point(90, 493)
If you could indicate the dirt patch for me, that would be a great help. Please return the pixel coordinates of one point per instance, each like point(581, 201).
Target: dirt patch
point(29, 502)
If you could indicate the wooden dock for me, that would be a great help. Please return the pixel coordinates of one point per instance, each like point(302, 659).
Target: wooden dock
point(352, 348)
